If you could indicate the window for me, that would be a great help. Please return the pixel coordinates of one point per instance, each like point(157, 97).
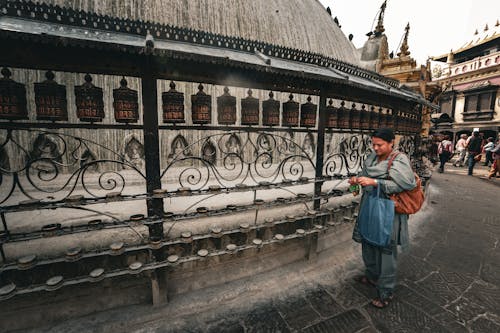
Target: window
point(447, 102)
point(485, 101)
point(479, 103)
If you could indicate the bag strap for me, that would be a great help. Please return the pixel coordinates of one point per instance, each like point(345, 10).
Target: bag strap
point(393, 156)
point(389, 164)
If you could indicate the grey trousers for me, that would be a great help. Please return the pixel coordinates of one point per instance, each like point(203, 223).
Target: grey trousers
point(380, 267)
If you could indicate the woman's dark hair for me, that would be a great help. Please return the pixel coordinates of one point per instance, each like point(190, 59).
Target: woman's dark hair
point(385, 134)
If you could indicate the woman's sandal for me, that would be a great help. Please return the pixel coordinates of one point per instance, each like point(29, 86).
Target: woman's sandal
point(363, 279)
point(381, 303)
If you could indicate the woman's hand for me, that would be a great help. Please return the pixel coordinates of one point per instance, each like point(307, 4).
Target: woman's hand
point(366, 181)
point(353, 181)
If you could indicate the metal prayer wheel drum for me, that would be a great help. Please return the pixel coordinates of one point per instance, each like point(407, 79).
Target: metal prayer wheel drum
point(271, 111)
point(408, 124)
point(373, 118)
point(290, 113)
point(173, 105)
point(125, 103)
point(354, 117)
point(50, 99)
point(12, 98)
point(226, 108)
point(249, 110)
point(401, 122)
point(411, 128)
point(201, 107)
point(418, 125)
point(89, 101)
point(381, 118)
point(389, 119)
point(343, 117)
point(404, 123)
point(414, 124)
point(308, 114)
point(332, 113)
point(397, 119)
point(364, 118)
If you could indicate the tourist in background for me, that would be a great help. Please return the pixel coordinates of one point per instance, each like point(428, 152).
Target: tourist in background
point(445, 150)
point(461, 149)
point(495, 167)
point(474, 149)
point(488, 147)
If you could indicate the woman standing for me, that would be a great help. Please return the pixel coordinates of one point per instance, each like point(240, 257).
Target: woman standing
point(380, 262)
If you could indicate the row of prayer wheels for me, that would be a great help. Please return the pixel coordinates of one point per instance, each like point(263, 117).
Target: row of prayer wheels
point(51, 104)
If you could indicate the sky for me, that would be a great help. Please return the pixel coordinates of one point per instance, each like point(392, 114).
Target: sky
point(436, 26)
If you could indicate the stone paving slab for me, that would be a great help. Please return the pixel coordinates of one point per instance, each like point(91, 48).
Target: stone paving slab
point(265, 319)
point(297, 312)
point(324, 303)
point(350, 321)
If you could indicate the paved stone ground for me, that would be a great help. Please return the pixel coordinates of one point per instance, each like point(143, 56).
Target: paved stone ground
point(448, 282)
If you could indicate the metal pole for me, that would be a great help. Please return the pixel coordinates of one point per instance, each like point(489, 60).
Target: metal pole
point(320, 149)
point(151, 144)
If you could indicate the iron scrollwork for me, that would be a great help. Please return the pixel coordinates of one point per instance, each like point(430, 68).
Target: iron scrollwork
point(57, 164)
point(347, 156)
point(239, 157)
point(407, 145)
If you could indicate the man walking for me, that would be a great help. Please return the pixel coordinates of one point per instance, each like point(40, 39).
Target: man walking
point(474, 149)
point(445, 151)
point(461, 149)
point(488, 147)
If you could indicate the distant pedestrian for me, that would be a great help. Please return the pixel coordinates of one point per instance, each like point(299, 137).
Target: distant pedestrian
point(445, 150)
point(461, 149)
point(488, 147)
point(495, 167)
point(380, 262)
point(474, 149)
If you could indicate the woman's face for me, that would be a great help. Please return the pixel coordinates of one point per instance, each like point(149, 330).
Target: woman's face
point(382, 147)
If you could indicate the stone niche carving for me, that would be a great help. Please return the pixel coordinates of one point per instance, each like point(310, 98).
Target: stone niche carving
point(233, 144)
point(208, 152)
point(4, 161)
point(134, 154)
point(44, 154)
point(179, 150)
point(86, 160)
point(232, 149)
point(308, 146)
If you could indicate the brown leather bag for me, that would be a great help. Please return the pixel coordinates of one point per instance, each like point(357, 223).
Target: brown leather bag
point(408, 201)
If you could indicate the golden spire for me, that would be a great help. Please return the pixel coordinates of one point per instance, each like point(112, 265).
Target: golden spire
point(486, 27)
point(404, 46)
point(379, 29)
point(497, 24)
point(476, 32)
